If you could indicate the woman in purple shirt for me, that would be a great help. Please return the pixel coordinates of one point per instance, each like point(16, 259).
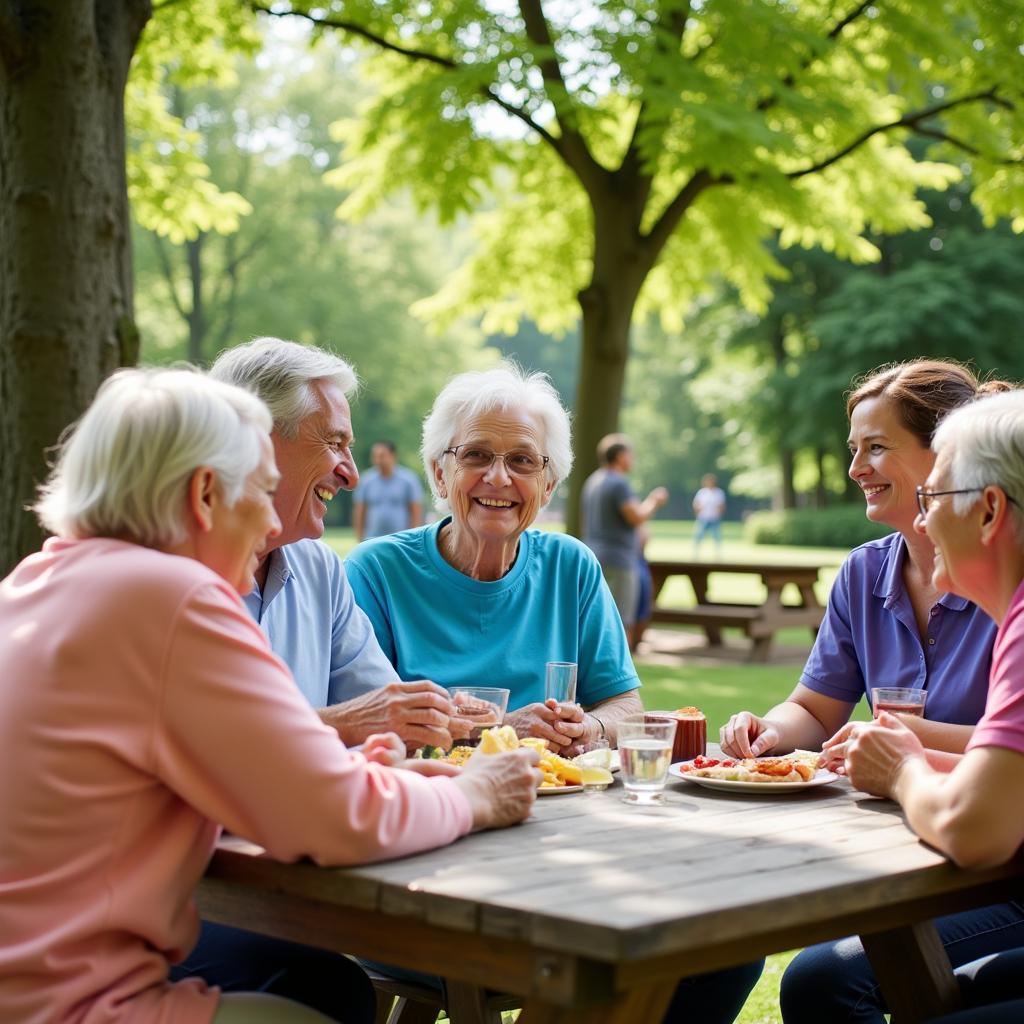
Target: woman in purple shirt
point(887, 625)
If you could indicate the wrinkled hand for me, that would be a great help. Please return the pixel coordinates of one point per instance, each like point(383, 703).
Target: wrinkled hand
point(429, 766)
point(746, 735)
point(834, 749)
point(878, 753)
point(419, 712)
point(562, 725)
point(383, 748)
point(501, 787)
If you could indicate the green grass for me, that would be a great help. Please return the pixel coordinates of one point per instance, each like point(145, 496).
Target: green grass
point(720, 689)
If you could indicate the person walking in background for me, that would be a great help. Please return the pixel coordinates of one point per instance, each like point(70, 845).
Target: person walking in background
point(611, 515)
point(389, 497)
point(708, 507)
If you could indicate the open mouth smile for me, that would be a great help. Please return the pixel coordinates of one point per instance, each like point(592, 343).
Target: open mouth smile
point(494, 502)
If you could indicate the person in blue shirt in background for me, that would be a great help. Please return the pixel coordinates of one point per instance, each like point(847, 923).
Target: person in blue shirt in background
point(389, 497)
point(887, 625)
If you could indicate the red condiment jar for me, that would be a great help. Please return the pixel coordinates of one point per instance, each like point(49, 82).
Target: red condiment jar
point(691, 738)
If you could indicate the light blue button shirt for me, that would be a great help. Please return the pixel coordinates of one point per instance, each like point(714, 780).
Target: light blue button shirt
point(308, 614)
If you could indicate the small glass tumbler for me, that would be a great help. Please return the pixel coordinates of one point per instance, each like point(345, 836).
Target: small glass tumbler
point(560, 681)
point(645, 752)
point(898, 700)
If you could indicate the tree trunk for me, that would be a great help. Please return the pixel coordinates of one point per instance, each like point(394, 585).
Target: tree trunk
point(820, 490)
point(65, 258)
point(787, 462)
point(197, 315)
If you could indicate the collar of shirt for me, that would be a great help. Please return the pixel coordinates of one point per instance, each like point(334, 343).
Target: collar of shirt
point(889, 582)
point(279, 572)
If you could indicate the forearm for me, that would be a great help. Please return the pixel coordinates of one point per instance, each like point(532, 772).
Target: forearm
point(797, 727)
point(939, 735)
point(352, 732)
point(609, 713)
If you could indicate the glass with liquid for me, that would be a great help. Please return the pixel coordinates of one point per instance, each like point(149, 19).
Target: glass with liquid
point(900, 700)
point(645, 752)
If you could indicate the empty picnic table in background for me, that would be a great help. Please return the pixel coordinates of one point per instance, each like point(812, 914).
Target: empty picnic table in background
point(761, 621)
point(591, 910)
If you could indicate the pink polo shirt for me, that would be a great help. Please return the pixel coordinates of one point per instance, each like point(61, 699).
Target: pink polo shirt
point(141, 708)
point(1002, 725)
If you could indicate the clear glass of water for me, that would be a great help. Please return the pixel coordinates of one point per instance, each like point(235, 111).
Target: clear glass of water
point(560, 681)
point(645, 752)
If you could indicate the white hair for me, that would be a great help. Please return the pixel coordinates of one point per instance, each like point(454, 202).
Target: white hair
point(984, 443)
point(480, 392)
point(124, 469)
point(281, 372)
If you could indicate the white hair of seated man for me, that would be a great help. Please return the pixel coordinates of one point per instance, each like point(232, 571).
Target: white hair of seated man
point(124, 469)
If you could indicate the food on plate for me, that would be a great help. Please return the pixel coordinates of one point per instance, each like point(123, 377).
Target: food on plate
point(558, 772)
point(798, 767)
point(598, 758)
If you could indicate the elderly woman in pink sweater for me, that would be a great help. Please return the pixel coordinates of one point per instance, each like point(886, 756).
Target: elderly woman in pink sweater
point(141, 709)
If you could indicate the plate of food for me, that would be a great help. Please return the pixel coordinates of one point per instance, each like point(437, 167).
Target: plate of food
point(796, 771)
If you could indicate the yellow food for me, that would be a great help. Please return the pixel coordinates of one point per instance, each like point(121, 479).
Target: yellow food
point(595, 776)
point(494, 741)
point(557, 771)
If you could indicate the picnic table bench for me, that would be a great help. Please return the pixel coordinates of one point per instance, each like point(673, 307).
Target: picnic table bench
point(760, 622)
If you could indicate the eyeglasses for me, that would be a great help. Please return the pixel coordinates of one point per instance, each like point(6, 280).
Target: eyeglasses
point(924, 497)
point(475, 457)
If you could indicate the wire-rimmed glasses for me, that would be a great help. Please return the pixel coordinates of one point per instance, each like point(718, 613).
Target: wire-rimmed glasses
point(477, 457)
point(924, 497)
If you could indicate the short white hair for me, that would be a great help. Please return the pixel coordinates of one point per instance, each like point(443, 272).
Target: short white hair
point(124, 469)
point(504, 388)
point(984, 443)
point(281, 374)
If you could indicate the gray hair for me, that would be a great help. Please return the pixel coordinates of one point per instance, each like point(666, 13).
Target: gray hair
point(124, 469)
point(984, 442)
point(501, 389)
point(281, 372)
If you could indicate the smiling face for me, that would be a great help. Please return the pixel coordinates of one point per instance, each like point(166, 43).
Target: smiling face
point(888, 463)
point(314, 465)
point(957, 546)
point(240, 534)
point(492, 504)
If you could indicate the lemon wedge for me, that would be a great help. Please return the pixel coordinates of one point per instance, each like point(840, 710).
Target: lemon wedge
point(595, 776)
point(594, 759)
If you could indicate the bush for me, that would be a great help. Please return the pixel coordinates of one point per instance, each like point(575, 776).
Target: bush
point(844, 526)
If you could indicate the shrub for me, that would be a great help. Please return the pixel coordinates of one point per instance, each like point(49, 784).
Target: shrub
point(844, 526)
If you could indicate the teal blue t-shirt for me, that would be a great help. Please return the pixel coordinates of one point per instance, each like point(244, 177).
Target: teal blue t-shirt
point(433, 622)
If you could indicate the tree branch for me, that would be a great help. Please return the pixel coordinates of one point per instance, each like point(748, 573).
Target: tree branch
point(852, 16)
point(446, 63)
point(363, 32)
point(168, 272)
point(911, 121)
point(934, 133)
point(572, 147)
point(671, 216)
point(638, 181)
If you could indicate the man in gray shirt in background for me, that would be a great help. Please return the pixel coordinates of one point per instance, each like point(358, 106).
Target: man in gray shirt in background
point(611, 513)
point(389, 497)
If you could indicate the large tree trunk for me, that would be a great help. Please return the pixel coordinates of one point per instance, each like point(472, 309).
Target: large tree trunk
point(787, 463)
point(621, 264)
point(65, 259)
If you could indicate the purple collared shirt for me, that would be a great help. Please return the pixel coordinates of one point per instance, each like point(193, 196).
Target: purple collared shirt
point(869, 638)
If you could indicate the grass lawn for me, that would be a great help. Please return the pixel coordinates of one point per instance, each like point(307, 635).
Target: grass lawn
point(719, 689)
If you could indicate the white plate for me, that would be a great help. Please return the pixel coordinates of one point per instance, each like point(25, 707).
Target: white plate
point(553, 790)
point(821, 778)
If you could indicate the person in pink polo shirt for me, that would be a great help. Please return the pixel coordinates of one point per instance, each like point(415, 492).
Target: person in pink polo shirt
point(136, 691)
point(970, 806)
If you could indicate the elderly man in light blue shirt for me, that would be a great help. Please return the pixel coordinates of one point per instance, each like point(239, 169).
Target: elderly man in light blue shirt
point(302, 599)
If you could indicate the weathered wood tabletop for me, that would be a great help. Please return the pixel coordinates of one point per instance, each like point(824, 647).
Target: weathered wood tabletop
point(592, 909)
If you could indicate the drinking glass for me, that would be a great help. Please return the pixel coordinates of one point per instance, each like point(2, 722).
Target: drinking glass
point(595, 754)
point(645, 752)
point(560, 681)
point(898, 700)
point(481, 706)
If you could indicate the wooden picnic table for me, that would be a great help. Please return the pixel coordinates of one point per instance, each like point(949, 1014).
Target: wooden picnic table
point(759, 621)
point(592, 909)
